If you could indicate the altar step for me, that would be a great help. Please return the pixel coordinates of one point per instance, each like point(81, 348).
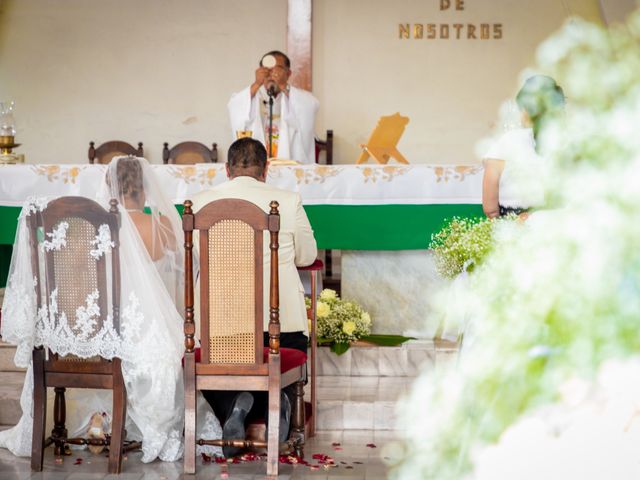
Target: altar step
point(11, 380)
point(344, 403)
point(7, 352)
point(356, 391)
point(359, 403)
point(360, 389)
point(10, 390)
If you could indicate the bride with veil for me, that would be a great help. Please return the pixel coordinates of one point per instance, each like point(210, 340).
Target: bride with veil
point(152, 267)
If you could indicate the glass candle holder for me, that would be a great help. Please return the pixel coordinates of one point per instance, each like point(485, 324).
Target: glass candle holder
point(7, 121)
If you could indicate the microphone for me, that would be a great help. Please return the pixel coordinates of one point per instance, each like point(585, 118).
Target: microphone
point(272, 89)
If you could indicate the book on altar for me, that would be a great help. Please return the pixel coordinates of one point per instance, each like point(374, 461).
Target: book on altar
point(382, 144)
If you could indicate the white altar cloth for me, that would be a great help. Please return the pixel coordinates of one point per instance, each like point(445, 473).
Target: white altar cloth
point(317, 184)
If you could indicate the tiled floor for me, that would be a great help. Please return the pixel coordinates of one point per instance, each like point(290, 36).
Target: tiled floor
point(359, 455)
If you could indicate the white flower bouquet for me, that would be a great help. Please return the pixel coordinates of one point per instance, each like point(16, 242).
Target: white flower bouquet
point(340, 322)
point(343, 322)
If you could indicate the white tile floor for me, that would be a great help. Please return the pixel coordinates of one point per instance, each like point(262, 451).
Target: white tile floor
point(360, 403)
point(355, 458)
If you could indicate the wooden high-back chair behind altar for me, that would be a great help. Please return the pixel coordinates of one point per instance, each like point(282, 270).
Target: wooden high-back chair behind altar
point(325, 146)
point(70, 273)
point(231, 321)
point(189, 153)
point(105, 152)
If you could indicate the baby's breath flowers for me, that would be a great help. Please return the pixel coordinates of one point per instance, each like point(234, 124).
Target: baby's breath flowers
point(463, 244)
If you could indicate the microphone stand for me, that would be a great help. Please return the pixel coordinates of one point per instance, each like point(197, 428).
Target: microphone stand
point(271, 93)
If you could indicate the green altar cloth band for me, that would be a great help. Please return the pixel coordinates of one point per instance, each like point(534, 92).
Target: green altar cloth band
point(339, 227)
point(346, 227)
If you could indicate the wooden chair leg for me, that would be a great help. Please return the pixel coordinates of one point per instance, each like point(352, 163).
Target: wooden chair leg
point(118, 421)
point(39, 411)
point(273, 433)
point(314, 351)
point(189, 414)
point(59, 433)
point(298, 419)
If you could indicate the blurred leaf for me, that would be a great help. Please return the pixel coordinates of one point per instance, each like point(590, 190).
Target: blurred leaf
point(385, 340)
point(339, 348)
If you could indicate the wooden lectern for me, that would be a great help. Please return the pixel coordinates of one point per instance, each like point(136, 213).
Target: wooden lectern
point(383, 140)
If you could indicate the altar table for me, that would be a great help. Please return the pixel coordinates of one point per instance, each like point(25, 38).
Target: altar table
point(350, 207)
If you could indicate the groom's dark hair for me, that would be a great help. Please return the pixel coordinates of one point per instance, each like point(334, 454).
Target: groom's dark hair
point(247, 155)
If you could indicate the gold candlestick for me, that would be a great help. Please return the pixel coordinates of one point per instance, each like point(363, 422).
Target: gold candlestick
point(7, 144)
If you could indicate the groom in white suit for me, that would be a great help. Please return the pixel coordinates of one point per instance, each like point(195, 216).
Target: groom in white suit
point(247, 171)
point(294, 111)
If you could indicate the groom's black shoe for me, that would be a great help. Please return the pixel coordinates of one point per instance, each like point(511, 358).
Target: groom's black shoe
point(234, 428)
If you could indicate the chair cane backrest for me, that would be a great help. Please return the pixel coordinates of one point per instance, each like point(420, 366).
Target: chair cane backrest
point(189, 153)
point(114, 148)
point(77, 275)
point(231, 278)
point(233, 254)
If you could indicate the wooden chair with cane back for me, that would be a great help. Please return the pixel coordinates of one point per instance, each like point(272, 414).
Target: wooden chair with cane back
point(231, 234)
point(189, 153)
point(106, 151)
point(71, 275)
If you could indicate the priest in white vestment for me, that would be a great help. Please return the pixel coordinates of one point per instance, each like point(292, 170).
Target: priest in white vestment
point(294, 111)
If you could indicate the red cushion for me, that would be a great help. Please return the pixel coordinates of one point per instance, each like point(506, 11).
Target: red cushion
point(316, 265)
point(289, 358)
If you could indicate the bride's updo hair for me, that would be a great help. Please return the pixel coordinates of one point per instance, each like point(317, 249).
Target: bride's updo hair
point(540, 96)
point(130, 182)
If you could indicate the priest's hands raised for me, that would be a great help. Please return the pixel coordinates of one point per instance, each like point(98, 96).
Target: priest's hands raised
point(278, 76)
point(262, 76)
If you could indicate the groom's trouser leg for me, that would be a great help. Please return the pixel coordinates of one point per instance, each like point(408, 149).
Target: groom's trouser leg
point(221, 401)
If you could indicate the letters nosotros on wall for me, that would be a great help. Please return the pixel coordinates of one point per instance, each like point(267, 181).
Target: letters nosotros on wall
point(445, 31)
